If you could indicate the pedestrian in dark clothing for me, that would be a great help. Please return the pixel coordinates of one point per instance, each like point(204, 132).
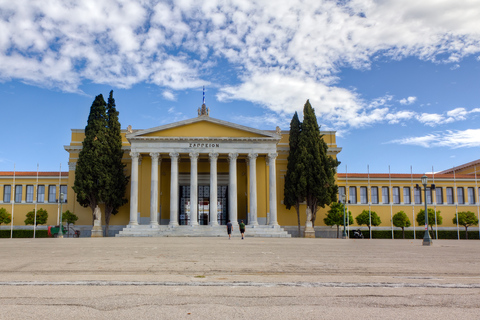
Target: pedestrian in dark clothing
point(241, 225)
point(229, 229)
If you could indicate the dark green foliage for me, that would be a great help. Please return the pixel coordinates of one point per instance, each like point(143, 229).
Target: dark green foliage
point(90, 172)
point(69, 217)
point(319, 187)
point(115, 179)
point(5, 217)
point(466, 219)
point(442, 234)
point(400, 220)
point(293, 189)
point(42, 217)
point(364, 219)
point(335, 216)
point(24, 234)
point(431, 218)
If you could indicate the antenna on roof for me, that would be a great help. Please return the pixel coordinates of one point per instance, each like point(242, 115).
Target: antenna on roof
point(203, 111)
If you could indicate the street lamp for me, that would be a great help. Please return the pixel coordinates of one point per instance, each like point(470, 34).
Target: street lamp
point(344, 235)
point(60, 231)
point(427, 241)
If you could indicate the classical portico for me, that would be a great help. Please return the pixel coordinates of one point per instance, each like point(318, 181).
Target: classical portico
point(197, 141)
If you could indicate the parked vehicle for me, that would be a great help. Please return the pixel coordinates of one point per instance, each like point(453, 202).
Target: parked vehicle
point(358, 234)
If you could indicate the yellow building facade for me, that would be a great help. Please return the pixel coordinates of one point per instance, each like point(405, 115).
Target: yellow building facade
point(192, 176)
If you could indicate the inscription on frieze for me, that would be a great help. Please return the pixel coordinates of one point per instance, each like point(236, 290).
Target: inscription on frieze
point(203, 145)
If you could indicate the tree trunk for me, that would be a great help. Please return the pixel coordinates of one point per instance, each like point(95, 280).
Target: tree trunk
point(403, 232)
point(466, 232)
point(369, 231)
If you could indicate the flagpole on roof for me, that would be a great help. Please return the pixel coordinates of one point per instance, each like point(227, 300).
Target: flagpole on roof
point(12, 191)
point(35, 210)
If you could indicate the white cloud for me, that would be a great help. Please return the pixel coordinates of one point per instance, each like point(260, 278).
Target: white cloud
point(407, 101)
point(452, 139)
point(169, 95)
point(285, 51)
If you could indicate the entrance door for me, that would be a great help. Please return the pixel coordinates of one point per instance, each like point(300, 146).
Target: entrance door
point(203, 205)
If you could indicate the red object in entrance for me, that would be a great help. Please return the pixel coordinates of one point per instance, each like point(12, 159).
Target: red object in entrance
point(49, 233)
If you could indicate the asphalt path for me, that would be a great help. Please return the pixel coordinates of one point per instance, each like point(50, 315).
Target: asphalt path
point(254, 278)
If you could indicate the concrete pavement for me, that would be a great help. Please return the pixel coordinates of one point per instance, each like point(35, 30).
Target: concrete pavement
point(258, 278)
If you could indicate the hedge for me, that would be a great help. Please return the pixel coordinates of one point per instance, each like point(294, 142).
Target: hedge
point(24, 234)
point(397, 234)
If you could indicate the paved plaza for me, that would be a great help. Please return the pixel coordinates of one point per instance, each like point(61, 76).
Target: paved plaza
point(255, 278)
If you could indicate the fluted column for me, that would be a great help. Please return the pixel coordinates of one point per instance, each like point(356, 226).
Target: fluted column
point(174, 190)
point(134, 189)
point(272, 188)
point(213, 189)
point(193, 188)
point(154, 190)
point(232, 188)
point(252, 161)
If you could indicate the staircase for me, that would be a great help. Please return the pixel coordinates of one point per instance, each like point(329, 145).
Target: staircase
point(201, 231)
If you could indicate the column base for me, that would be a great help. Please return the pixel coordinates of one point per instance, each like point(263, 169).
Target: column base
point(154, 224)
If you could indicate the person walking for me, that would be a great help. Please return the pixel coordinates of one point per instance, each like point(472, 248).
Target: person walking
point(241, 225)
point(229, 229)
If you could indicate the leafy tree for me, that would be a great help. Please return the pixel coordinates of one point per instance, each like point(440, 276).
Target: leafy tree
point(364, 219)
point(466, 219)
point(400, 220)
point(294, 179)
point(5, 217)
point(90, 172)
point(69, 217)
point(115, 179)
point(42, 217)
point(335, 216)
point(431, 218)
point(319, 171)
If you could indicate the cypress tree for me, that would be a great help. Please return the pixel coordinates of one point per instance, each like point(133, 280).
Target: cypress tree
point(319, 169)
point(294, 178)
point(115, 179)
point(90, 170)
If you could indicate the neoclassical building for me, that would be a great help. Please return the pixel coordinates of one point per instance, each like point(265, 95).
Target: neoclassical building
point(191, 177)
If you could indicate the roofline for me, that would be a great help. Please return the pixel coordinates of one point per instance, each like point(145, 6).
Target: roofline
point(460, 167)
point(33, 173)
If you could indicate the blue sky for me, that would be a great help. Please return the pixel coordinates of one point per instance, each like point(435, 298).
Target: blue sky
point(398, 80)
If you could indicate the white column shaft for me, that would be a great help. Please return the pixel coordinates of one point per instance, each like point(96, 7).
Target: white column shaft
point(193, 189)
point(154, 190)
point(134, 189)
point(213, 189)
point(232, 188)
point(174, 190)
point(272, 189)
point(253, 189)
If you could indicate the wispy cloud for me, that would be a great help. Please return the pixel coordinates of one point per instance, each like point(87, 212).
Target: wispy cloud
point(451, 139)
point(407, 101)
point(169, 95)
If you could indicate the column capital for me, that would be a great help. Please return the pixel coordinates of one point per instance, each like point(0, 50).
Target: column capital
point(213, 156)
point(135, 154)
point(232, 156)
point(155, 156)
point(174, 155)
point(272, 157)
point(252, 157)
point(193, 156)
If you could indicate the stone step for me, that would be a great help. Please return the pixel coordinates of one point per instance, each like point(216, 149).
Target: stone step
point(200, 231)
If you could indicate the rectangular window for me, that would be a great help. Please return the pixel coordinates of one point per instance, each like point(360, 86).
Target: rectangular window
point(439, 195)
point(40, 194)
point(417, 193)
point(18, 194)
point(363, 195)
point(471, 196)
point(52, 193)
point(63, 189)
point(449, 195)
point(429, 195)
point(29, 194)
point(396, 194)
point(341, 191)
point(406, 195)
point(374, 191)
point(385, 195)
point(7, 194)
point(353, 195)
point(460, 196)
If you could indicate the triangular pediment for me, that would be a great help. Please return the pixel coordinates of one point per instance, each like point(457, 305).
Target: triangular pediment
point(203, 127)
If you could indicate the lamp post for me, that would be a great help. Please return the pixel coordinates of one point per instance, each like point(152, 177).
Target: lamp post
point(427, 241)
point(344, 235)
point(60, 231)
